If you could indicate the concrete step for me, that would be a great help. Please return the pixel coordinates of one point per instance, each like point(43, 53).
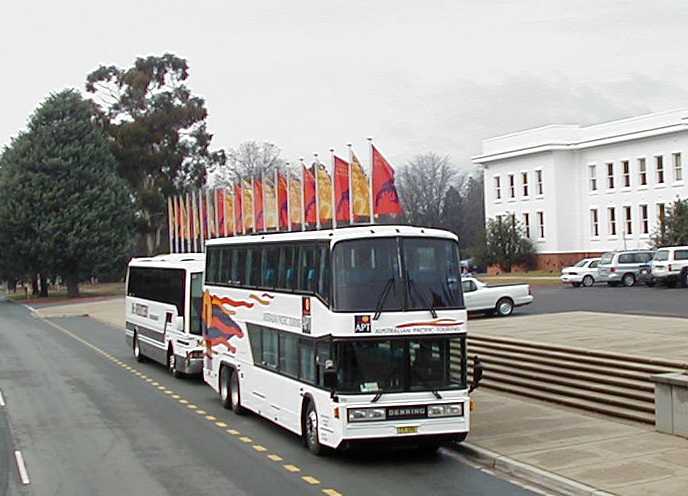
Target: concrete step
point(553, 378)
point(599, 376)
point(589, 405)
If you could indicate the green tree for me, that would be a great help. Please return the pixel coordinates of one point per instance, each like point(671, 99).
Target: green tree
point(505, 245)
point(674, 230)
point(158, 133)
point(64, 209)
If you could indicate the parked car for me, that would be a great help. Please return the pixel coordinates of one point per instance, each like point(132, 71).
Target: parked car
point(670, 266)
point(584, 273)
point(500, 300)
point(623, 267)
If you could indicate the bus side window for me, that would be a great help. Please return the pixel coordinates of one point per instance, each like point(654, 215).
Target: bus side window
point(238, 266)
point(212, 267)
point(308, 277)
point(253, 266)
point(322, 356)
point(271, 257)
point(307, 361)
point(324, 272)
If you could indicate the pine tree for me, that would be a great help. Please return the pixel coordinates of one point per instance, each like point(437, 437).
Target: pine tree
point(64, 210)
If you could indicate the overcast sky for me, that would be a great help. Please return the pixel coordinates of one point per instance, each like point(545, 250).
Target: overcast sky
point(426, 75)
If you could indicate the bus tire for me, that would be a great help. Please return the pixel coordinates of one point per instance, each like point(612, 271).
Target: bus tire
point(235, 393)
point(310, 431)
point(136, 349)
point(172, 363)
point(224, 387)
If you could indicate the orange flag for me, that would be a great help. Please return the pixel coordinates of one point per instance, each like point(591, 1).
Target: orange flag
point(258, 203)
point(341, 191)
point(360, 191)
point(324, 195)
point(295, 203)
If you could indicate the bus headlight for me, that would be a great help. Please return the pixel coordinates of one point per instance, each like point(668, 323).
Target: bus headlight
point(448, 410)
point(365, 414)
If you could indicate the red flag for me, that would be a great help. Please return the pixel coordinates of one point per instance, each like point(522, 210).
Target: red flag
point(341, 190)
point(258, 204)
point(282, 201)
point(204, 214)
point(192, 230)
point(385, 197)
point(220, 210)
point(238, 209)
point(309, 196)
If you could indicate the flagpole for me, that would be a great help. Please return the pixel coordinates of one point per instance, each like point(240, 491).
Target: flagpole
point(188, 220)
point(334, 196)
point(316, 170)
point(351, 184)
point(262, 197)
point(303, 192)
point(372, 192)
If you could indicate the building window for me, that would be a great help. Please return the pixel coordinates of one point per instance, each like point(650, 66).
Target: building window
point(541, 225)
point(538, 181)
point(526, 224)
point(659, 161)
point(628, 221)
point(678, 167)
point(498, 187)
point(592, 173)
point(626, 168)
point(661, 214)
point(644, 225)
point(610, 175)
point(642, 171)
point(524, 183)
point(512, 186)
point(611, 215)
point(594, 223)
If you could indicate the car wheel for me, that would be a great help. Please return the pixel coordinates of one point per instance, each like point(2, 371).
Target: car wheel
point(588, 281)
point(311, 431)
point(505, 307)
point(224, 387)
point(172, 364)
point(235, 393)
point(136, 348)
point(628, 280)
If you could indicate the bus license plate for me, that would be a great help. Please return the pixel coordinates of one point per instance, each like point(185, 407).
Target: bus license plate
point(407, 429)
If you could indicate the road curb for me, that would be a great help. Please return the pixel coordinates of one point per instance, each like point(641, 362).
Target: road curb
point(530, 473)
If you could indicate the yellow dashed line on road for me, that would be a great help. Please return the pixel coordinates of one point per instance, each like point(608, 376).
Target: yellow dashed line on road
point(259, 448)
point(183, 402)
point(311, 480)
point(176, 396)
point(245, 439)
point(211, 418)
point(220, 424)
point(170, 392)
point(292, 468)
point(201, 412)
point(233, 432)
point(331, 492)
point(193, 407)
point(275, 458)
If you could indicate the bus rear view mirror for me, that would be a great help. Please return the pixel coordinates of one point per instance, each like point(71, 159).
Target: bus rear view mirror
point(330, 379)
point(477, 374)
point(179, 323)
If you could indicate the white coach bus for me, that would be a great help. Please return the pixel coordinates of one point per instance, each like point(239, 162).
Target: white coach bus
point(163, 311)
point(341, 335)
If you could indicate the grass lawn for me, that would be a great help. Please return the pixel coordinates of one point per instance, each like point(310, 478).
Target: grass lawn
point(60, 293)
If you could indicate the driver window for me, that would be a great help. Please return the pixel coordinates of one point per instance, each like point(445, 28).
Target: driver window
point(468, 286)
point(593, 265)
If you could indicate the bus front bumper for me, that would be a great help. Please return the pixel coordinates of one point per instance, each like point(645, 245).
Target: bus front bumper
point(189, 365)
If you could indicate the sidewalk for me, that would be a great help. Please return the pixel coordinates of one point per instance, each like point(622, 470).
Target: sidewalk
point(110, 310)
point(622, 458)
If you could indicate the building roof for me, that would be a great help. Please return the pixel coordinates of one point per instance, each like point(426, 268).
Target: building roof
point(576, 137)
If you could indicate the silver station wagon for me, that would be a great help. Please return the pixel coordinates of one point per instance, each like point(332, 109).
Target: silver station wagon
point(623, 267)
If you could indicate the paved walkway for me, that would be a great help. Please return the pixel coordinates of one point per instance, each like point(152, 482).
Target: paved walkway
point(656, 337)
point(622, 458)
point(110, 311)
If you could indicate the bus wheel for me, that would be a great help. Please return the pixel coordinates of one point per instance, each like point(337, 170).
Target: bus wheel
point(311, 430)
point(137, 349)
point(224, 387)
point(172, 364)
point(235, 393)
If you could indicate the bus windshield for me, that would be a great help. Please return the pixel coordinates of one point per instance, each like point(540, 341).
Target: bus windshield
point(396, 274)
point(400, 364)
point(196, 303)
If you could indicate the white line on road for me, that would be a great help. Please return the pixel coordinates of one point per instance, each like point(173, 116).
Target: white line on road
point(23, 474)
point(2, 400)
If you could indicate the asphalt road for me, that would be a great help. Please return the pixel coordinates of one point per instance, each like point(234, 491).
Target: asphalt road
point(90, 420)
point(639, 300)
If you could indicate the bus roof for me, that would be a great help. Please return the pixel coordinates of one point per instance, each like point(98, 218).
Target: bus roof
point(334, 235)
point(189, 261)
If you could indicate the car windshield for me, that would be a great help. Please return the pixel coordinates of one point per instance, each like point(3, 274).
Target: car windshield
point(661, 255)
point(368, 274)
point(606, 258)
point(581, 263)
point(400, 364)
point(196, 303)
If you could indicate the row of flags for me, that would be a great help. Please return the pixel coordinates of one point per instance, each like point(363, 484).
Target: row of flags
point(310, 197)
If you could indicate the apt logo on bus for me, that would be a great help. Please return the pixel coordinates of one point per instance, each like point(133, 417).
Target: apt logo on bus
point(362, 324)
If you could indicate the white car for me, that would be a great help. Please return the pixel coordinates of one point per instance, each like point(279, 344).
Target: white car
point(584, 273)
point(670, 265)
point(501, 300)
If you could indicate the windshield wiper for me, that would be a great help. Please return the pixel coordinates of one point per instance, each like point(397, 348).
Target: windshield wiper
point(381, 299)
point(432, 389)
point(422, 298)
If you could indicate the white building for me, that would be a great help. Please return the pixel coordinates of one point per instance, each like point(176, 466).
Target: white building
point(581, 191)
